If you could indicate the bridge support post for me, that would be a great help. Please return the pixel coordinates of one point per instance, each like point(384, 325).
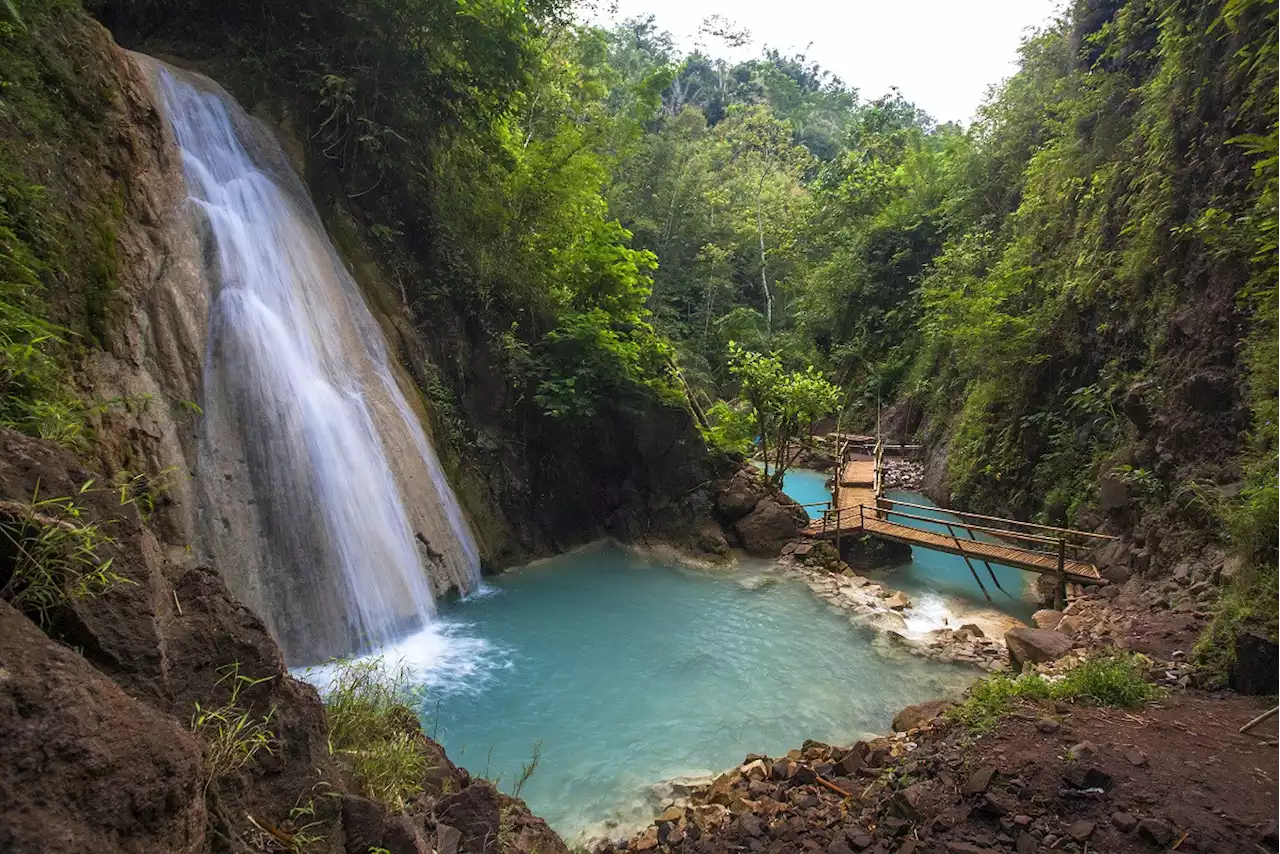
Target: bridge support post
point(1060, 588)
point(839, 513)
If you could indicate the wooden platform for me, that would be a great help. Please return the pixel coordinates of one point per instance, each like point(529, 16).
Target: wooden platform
point(869, 522)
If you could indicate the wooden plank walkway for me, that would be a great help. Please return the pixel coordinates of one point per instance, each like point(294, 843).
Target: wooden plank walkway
point(869, 522)
point(857, 483)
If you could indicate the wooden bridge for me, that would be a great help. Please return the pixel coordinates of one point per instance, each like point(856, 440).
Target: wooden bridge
point(859, 507)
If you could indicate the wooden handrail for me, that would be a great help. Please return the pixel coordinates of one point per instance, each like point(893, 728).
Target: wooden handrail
point(1057, 542)
point(1035, 525)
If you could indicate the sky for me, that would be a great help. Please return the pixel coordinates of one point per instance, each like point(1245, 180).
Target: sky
point(942, 54)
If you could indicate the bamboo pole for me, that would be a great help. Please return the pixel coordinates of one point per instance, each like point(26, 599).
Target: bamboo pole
point(972, 571)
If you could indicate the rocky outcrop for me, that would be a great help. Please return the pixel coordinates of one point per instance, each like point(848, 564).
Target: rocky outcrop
point(770, 525)
point(1035, 646)
point(95, 731)
point(913, 717)
point(87, 767)
point(1016, 789)
point(757, 515)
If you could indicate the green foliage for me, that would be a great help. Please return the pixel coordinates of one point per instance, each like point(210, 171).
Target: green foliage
point(732, 428)
point(230, 734)
point(991, 699)
point(1249, 599)
point(56, 553)
point(1116, 680)
point(784, 405)
point(587, 361)
point(372, 729)
point(1107, 680)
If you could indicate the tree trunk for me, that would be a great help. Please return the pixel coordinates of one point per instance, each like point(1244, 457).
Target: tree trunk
point(764, 440)
point(764, 276)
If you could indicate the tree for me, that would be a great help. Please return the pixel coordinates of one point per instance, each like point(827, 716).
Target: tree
point(785, 404)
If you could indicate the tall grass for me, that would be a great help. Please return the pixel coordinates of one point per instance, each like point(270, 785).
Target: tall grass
point(373, 731)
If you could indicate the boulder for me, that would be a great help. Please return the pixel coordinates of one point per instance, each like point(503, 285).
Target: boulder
point(1035, 646)
point(1113, 493)
point(767, 528)
point(737, 499)
point(1257, 663)
point(920, 714)
point(1046, 618)
point(87, 767)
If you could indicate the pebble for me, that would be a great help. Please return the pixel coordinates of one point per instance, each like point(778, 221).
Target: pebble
point(1155, 831)
point(1048, 725)
point(1123, 821)
point(1080, 830)
point(1082, 752)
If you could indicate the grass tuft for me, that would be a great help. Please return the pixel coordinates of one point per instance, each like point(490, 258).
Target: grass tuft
point(372, 729)
point(1106, 680)
point(55, 553)
point(230, 734)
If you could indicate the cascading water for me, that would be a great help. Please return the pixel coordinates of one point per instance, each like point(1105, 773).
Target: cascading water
point(324, 499)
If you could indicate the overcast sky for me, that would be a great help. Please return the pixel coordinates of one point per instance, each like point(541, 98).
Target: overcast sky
point(942, 54)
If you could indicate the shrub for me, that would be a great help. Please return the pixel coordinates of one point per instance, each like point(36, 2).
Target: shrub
point(55, 555)
point(371, 728)
point(1115, 680)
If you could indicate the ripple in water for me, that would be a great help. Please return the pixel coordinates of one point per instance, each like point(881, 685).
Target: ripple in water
point(630, 672)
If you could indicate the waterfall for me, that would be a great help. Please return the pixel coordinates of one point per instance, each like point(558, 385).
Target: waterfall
point(324, 504)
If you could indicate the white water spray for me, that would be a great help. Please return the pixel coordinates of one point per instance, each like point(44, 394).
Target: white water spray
point(328, 511)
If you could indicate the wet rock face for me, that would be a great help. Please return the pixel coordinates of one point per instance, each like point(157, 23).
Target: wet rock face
point(95, 744)
point(86, 767)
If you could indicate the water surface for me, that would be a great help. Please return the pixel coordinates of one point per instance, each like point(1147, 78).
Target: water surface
point(807, 486)
point(630, 672)
point(941, 584)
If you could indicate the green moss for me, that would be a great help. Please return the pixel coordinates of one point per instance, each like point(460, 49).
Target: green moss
point(58, 225)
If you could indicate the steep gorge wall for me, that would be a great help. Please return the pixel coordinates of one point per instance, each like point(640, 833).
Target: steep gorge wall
point(1143, 233)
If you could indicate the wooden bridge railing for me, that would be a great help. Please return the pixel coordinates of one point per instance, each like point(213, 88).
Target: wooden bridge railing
point(1081, 542)
point(841, 519)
